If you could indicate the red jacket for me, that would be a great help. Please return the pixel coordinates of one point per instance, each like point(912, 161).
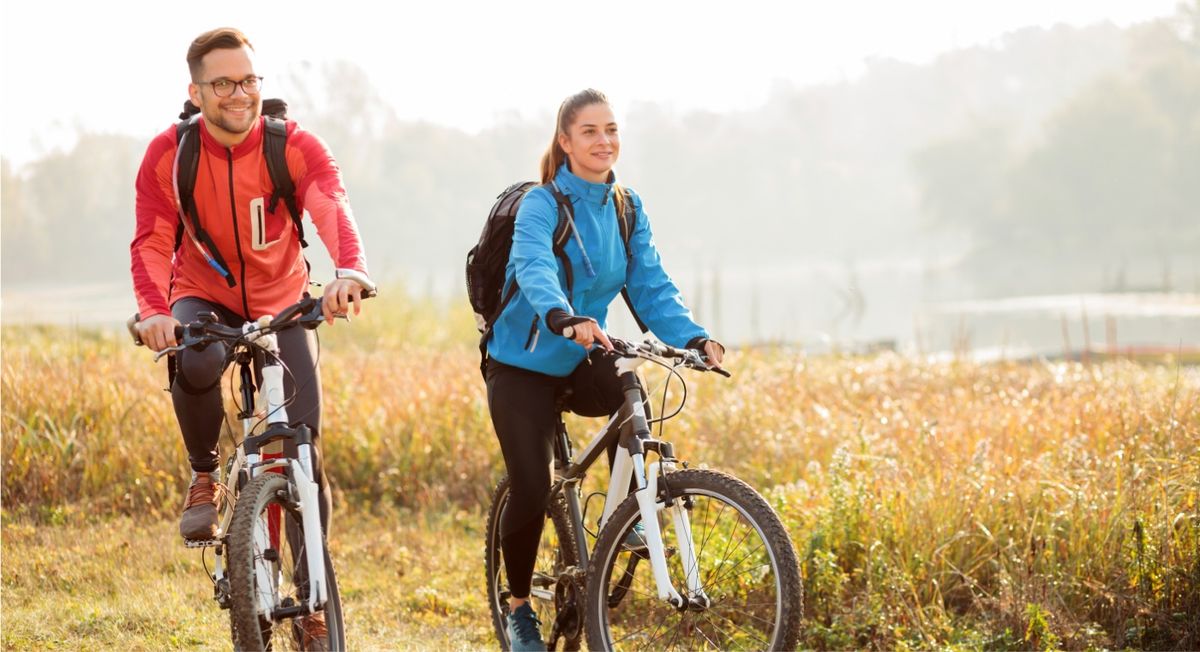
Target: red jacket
point(260, 247)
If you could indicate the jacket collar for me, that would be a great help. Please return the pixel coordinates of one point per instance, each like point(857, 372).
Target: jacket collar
point(570, 184)
point(253, 141)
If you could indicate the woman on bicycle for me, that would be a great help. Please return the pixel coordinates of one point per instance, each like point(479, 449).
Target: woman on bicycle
point(530, 363)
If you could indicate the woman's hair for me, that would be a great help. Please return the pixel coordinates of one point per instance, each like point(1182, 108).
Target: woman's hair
point(554, 156)
point(222, 38)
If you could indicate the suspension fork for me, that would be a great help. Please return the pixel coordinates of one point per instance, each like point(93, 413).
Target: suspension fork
point(632, 455)
point(302, 469)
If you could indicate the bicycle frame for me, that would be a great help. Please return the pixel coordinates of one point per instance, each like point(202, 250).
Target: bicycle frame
point(630, 425)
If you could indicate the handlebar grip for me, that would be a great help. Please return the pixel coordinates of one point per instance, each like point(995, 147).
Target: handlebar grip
point(131, 325)
point(569, 332)
point(722, 372)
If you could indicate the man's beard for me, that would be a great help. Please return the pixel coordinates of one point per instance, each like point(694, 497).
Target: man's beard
point(218, 120)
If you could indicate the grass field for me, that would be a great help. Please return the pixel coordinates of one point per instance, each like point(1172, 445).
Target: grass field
point(1000, 506)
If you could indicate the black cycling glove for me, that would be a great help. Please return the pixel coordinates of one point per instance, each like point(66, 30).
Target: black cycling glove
point(697, 344)
point(557, 320)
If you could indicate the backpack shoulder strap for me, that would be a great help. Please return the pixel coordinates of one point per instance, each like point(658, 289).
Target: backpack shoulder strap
point(187, 155)
point(562, 233)
point(628, 221)
point(275, 149)
point(187, 164)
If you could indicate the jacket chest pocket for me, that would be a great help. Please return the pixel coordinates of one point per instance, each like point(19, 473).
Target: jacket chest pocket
point(266, 228)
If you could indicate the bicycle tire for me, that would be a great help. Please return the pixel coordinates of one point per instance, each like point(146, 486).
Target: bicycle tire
point(755, 591)
point(556, 552)
point(250, 630)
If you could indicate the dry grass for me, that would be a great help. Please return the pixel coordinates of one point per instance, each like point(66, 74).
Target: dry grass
point(932, 504)
point(121, 583)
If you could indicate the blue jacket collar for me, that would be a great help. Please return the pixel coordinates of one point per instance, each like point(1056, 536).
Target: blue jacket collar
point(570, 184)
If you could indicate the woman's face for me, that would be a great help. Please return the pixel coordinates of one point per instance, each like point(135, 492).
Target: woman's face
point(592, 143)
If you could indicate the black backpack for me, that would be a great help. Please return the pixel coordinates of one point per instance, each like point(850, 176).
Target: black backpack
point(187, 139)
point(486, 261)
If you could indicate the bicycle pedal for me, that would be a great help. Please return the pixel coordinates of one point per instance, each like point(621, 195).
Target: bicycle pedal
point(201, 543)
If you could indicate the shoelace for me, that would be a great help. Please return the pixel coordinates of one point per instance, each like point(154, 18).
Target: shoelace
point(527, 626)
point(196, 493)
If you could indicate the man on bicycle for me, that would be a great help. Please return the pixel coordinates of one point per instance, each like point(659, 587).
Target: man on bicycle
point(238, 257)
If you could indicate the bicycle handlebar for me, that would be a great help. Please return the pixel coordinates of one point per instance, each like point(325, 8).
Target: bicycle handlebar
point(306, 313)
point(650, 349)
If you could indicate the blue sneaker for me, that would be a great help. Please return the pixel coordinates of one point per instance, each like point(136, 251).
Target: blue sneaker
point(635, 540)
point(524, 630)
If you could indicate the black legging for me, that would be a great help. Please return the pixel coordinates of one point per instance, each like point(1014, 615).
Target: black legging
point(196, 391)
point(523, 407)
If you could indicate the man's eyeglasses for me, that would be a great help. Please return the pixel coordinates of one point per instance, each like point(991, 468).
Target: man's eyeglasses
point(225, 87)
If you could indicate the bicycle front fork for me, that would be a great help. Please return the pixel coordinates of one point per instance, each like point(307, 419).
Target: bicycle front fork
point(630, 463)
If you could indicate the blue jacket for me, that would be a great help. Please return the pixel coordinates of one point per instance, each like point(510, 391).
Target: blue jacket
point(520, 337)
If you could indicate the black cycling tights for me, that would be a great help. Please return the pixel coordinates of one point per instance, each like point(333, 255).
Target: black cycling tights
point(196, 391)
point(524, 414)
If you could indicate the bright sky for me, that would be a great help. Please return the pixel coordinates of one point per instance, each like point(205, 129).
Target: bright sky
point(119, 66)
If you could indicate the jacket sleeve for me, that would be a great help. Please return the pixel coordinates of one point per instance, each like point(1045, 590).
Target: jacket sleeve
point(533, 257)
point(321, 192)
point(653, 293)
point(153, 247)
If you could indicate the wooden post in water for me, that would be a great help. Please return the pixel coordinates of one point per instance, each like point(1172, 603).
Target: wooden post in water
point(1110, 335)
point(1085, 355)
point(1066, 338)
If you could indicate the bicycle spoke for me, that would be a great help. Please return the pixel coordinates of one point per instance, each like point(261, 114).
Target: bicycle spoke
point(705, 637)
point(742, 610)
point(709, 532)
point(736, 626)
point(643, 628)
point(724, 556)
point(726, 570)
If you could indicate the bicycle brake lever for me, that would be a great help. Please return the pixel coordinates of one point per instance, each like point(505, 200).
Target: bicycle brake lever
point(168, 350)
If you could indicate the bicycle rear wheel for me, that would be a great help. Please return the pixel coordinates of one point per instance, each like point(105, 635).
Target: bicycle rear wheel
point(557, 600)
point(267, 563)
point(745, 563)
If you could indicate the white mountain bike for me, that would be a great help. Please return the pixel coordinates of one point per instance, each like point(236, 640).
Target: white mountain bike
point(717, 569)
point(272, 564)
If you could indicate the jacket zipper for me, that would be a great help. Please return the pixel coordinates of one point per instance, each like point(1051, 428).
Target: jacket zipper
point(532, 340)
point(237, 240)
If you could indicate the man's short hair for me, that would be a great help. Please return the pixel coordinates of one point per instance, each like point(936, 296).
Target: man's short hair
point(222, 38)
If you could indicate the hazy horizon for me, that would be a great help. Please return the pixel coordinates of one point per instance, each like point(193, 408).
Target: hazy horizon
point(802, 180)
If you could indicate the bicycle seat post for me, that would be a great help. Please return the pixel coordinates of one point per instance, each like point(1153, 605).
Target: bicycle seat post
point(562, 446)
point(562, 441)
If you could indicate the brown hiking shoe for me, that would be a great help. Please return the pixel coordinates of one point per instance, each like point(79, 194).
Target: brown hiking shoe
point(199, 520)
point(314, 635)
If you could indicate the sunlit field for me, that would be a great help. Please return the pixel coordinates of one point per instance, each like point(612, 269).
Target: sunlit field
point(932, 504)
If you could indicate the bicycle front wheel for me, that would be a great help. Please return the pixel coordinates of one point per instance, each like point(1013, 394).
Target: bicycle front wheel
point(268, 566)
point(557, 599)
point(745, 567)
